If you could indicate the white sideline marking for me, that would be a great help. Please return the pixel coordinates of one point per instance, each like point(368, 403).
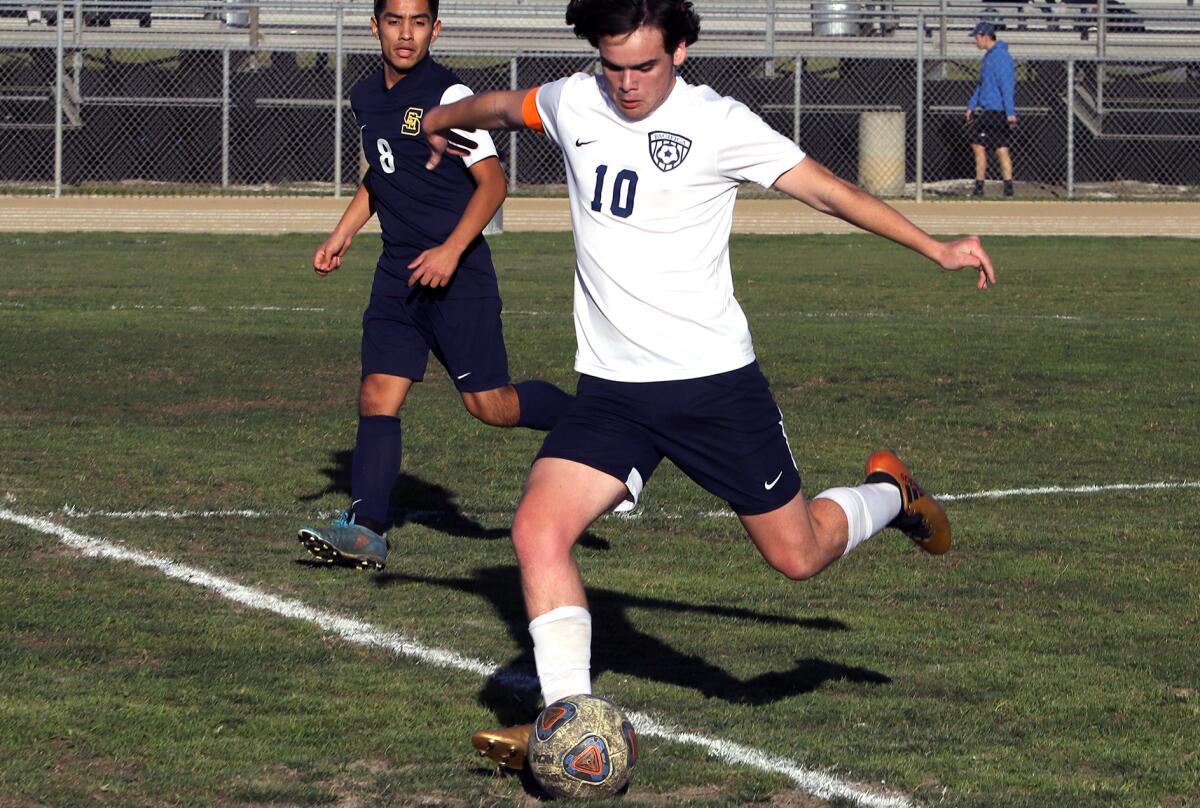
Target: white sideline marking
point(819, 784)
point(901, 316)
point(997, 494)
point(81, 513)
point(566, 314)
point(140, 307)
point(1078, 489)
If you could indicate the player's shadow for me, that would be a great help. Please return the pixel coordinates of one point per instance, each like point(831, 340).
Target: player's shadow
point(412, 500)
point(415, 500)
point(621, 647)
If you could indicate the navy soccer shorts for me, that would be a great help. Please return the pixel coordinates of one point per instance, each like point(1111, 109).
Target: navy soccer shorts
point(725, 432)
point(465, 335)
point(990, 129)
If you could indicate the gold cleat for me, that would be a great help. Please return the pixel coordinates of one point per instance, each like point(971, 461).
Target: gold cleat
point(922, 517)
point(506, 746)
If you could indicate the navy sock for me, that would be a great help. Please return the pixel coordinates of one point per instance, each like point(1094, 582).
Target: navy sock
point(541, 404)
point(374, 468)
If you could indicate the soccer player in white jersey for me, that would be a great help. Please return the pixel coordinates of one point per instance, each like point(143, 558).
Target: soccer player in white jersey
point(666, 361)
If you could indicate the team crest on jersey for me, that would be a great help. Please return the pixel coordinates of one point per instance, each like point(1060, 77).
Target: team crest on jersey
point(412, 121)
point(668, 150)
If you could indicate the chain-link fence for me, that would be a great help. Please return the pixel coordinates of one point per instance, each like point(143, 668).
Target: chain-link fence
point(1091, 128)
point(172, 116)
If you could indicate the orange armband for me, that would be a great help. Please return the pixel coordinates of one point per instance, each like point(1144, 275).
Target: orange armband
point(529, 111)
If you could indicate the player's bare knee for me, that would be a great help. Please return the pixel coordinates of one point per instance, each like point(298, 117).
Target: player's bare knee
point(368, 407)
point(799, 569)
point(798, 564)
point(536, 541)
point(490, 408)
point(483, 410)
point(377, 399)
point(526, 535)
point(538, 551)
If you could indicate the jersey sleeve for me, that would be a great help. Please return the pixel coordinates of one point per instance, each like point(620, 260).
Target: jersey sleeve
point(751, 151)
point(542, 114)
point(486, 147)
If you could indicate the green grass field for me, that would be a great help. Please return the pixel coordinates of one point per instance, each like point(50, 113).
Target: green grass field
point(152, 385)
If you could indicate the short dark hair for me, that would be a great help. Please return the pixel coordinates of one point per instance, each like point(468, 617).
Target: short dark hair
point(593, 19)
point(380, 5)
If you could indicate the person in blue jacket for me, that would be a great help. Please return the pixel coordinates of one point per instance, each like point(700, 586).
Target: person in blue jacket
point(991, 107)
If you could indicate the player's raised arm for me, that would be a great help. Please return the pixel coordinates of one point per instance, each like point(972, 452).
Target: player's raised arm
point(328, 256)
point(819, 188)
point(500, 109)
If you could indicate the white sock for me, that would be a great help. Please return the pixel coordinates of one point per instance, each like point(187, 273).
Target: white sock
point(562, 651)
point(868, 507)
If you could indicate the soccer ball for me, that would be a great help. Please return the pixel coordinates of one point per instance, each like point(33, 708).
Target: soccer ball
point(582, 746)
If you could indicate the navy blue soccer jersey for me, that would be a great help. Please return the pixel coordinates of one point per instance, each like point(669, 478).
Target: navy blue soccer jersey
point(418, 208)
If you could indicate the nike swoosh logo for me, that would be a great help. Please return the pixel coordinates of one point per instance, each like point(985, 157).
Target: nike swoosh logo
point(579, 142)
point(771, 484)
point(468, 373)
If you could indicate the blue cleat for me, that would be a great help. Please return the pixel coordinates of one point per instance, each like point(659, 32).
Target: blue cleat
point(345, 543)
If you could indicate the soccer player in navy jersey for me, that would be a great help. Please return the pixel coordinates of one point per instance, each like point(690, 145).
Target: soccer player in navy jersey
point(435, 286)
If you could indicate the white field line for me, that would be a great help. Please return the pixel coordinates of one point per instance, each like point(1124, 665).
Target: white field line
point(1078, 489)
point(565, 314)
point(997, 494)
point(139, 307)
point(83, 513)
point(817, 783)
point(249, 513)
point(900, 316)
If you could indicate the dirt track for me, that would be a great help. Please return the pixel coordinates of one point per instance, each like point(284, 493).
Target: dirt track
point(235, 214)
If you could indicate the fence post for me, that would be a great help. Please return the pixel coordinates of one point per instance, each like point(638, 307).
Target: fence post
point(225, 78)
point(942, 30)
point(512, 136)
point(797, 77)
point(1070, 129)
point(769, 64)
point(337, 105)
point(920, 110)
point(77, 56)
point(1101, 51)
point(59, 78)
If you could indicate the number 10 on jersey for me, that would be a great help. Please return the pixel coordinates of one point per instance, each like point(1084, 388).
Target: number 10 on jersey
point(624, 187)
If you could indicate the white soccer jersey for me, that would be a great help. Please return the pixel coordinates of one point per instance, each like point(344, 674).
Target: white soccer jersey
point(651, 209)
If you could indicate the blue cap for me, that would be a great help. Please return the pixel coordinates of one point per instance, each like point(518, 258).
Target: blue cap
point(985, 29)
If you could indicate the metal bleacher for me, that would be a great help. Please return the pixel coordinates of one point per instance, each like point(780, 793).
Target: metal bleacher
point(1124, 74)
point(1044, 27)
